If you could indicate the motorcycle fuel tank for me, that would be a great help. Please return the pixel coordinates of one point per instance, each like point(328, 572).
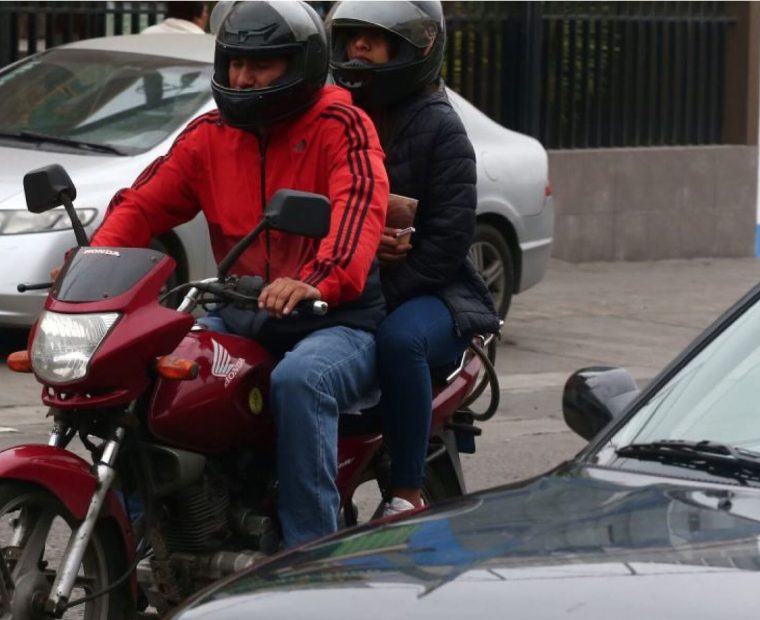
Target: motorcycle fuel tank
point(226, 406)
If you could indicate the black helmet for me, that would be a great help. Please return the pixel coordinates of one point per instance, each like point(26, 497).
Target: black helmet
point(267, 28)
point(418, 30)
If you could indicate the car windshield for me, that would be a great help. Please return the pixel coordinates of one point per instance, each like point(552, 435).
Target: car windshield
point(130, 102)
point(715, 397)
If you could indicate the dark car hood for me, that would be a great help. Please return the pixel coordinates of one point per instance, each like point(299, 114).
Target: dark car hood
point(548, 547)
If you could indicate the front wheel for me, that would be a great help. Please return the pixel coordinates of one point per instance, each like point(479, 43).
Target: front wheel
point(35, 528)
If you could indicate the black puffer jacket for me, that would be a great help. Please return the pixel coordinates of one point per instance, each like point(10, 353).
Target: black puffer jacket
point(430, 158)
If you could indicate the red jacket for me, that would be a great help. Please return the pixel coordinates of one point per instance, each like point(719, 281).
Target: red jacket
point(332, 149)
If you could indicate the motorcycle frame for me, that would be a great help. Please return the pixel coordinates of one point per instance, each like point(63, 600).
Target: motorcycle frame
point(145, 330)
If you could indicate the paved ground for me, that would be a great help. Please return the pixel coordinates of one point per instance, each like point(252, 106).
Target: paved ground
point(636, 315)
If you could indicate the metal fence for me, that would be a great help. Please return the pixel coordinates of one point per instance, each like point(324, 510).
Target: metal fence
point(572, 74)
point(640, 73)
point(29, 27)
point(594, 74)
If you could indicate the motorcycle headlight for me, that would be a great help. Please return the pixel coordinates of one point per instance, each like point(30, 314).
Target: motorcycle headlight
point(65, 343)
point(17, 222)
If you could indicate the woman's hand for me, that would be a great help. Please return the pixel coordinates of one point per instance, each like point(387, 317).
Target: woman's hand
point(393, 249)
point(282, 295)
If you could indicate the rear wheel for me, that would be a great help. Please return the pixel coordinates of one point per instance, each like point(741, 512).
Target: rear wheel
point(492, 258)
point(35, 528)
point(440, 483)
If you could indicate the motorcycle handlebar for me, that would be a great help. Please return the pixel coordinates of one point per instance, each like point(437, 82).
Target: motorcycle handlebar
point(245, 292)
point(313, 306)
point(23, 288)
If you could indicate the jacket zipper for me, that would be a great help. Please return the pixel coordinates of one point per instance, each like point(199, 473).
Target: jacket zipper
point(262, 154)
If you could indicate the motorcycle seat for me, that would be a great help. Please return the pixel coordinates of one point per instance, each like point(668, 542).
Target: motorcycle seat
point(364, 417)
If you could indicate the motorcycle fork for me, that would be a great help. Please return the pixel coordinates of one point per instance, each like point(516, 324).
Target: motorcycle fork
point(6, 586)
point(72, 559)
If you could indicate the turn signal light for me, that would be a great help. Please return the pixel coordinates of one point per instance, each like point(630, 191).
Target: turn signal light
point(19, 361)
point(176, 369)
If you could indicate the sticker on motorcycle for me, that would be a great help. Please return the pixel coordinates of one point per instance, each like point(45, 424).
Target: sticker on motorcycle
point(103, 251)
point(255, 401)
point(223, 364)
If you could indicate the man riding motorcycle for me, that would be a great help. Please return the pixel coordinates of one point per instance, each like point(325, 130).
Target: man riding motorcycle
point(278, 126)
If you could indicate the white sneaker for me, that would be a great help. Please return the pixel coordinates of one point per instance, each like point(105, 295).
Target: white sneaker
point(396, 506)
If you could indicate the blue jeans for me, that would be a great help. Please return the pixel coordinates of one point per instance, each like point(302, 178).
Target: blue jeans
point(324, 373)
point(417, 335)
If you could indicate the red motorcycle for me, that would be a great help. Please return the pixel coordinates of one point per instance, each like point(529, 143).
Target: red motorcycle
point(181, 485)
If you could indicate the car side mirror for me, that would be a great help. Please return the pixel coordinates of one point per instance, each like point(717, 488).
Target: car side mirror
point(47, 188)
point(299, 213)
point(595, 396)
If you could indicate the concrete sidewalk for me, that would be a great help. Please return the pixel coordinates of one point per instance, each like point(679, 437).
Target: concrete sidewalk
point(637, 315)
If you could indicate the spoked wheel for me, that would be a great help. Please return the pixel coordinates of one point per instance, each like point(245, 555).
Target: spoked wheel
point(367, 502)
point(35, 528)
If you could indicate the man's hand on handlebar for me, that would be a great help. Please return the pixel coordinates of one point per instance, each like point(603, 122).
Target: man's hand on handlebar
point(282, 295)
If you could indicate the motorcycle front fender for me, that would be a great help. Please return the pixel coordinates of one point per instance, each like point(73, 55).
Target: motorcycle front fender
point(68, 477)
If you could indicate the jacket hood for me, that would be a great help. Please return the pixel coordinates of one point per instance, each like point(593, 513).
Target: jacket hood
point(407, 110)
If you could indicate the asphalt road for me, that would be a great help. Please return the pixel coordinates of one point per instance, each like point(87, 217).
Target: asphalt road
point(636, 315)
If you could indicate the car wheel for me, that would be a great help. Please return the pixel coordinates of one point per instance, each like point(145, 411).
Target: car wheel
point(172, 281)
point(492, 258)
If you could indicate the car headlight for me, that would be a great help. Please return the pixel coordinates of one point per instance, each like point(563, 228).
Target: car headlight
point(17, 222)
point(65, 343)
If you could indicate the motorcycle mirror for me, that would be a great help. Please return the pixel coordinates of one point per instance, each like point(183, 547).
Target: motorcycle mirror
point(50, 187)
point(595, 396)
point(290, 211)
point(299, 213)
point(45, 188)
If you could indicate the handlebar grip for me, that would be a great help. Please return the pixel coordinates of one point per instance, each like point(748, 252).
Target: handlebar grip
point(23, 288)
point(312, 306)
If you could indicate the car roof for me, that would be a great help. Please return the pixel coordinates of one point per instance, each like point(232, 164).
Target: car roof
point(195, 47)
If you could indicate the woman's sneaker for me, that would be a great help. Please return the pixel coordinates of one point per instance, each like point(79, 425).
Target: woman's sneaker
point(396, 506)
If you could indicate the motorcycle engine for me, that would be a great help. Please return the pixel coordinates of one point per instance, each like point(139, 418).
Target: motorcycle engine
point(197, 517)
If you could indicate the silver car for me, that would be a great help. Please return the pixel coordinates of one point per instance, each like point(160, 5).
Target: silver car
point(105, 108)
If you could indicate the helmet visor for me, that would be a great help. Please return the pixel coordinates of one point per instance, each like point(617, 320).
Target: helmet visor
point(401, 18)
